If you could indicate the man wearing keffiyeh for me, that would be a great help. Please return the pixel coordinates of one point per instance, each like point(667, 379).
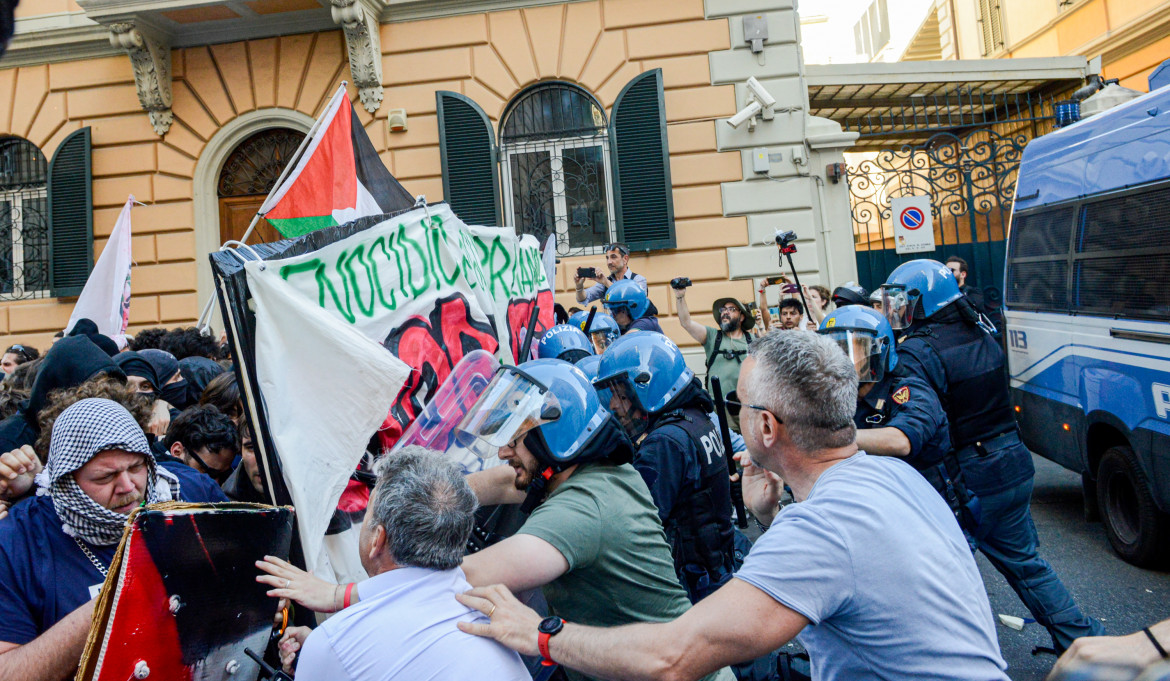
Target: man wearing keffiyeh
point(56, 548)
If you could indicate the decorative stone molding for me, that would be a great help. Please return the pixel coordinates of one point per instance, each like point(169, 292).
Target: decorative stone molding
point(151, 59)
point(364, 44)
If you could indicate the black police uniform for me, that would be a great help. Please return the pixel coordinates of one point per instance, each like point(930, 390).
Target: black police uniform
point(909, 404)
point(966, 368)
point(682, 461)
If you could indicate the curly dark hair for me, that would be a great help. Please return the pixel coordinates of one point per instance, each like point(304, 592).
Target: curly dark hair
point(10, 399)
point(202, 426)
point(189, 342)
point(102, 386)
point(147, 339)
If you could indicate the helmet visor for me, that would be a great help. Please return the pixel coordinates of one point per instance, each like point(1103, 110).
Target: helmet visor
point(865, 349)
point(513, 404)
point(617, 394)
point(600, 340)
point(898, 305)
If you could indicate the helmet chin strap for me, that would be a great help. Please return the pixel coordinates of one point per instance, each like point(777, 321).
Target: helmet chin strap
point(536, 490)
point(539, 485)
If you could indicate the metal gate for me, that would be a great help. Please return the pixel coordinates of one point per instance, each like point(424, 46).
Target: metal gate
point(971, 179)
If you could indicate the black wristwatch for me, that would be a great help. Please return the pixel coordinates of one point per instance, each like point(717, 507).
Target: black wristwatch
point(549, 627)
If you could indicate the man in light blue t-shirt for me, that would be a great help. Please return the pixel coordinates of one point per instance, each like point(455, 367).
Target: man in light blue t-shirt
point(869, 570)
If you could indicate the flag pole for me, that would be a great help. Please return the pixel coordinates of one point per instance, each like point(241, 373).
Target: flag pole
point(205, 316)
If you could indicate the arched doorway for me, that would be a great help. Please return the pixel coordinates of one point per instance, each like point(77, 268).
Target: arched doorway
point(248, 174)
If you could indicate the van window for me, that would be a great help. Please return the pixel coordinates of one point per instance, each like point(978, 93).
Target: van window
point(1038, 271)
point(1123, 256)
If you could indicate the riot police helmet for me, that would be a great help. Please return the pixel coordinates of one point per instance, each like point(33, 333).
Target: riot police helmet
point(918, 289)
point(866, 338)
point(644, 372)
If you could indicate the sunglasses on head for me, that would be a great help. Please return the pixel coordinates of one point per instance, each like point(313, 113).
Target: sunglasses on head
point(620, 248)
point(734, 406)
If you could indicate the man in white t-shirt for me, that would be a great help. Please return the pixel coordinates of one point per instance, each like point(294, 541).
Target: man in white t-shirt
point(870, 570)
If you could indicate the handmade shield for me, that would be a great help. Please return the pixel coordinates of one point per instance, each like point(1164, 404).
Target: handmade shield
point(181, 601)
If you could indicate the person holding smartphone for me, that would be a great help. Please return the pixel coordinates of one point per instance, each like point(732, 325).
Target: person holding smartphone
point(617, 260)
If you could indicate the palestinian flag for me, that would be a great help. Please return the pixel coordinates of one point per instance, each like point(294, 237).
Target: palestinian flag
point(338, 178)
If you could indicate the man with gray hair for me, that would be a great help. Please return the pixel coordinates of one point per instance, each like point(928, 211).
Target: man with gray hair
point(870, 568)
point(416, 528)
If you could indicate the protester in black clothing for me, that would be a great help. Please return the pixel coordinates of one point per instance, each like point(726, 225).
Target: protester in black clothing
point(86, 327)
point(205, 440)
point(198, 372)
point(958, 267)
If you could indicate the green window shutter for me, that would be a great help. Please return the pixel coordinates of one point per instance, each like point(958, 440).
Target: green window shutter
point(70, 201)
point(643, 201)
point(467, 145)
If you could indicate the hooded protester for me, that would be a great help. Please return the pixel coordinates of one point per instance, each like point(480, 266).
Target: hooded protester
point(69, 363)
point(56, 548)
point(197, 372)
point(140, 373)
point(175, 388)
point(87, 328)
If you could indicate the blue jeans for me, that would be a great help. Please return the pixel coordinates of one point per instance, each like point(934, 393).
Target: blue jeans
point(1007, 536)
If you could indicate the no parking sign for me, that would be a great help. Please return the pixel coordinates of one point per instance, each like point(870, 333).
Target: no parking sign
point(913, 227)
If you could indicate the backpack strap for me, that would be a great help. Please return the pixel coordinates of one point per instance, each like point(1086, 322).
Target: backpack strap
point(711, 357)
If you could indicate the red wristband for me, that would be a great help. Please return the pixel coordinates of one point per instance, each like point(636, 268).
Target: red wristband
point(348, 594)
point(542, 643)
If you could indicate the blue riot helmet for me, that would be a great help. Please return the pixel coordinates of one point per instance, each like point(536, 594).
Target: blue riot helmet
point(626, 295)
point(552, 407)
point(644, 371)
point(589, 364)
point(578, 318)
point(564, 342)
point(867, 339)
point(928, 282)
point(603, 331)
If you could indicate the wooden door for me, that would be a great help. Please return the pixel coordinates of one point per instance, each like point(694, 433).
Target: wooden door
point(236, 213)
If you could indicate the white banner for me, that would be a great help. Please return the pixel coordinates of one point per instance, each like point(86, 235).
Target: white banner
point(105, 300)
point(429, 289)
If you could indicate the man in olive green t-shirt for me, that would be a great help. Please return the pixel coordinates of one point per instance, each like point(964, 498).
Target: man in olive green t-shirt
point(594, 544)
point(725, 347)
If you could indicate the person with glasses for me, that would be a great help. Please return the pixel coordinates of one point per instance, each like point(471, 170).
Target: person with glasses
point(725, 346)
point(16, 355)
point(898, 414)
point(870, 568)
point(617, 261)
point(665, 410)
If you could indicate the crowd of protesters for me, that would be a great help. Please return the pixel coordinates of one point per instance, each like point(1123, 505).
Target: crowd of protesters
point(849, 462)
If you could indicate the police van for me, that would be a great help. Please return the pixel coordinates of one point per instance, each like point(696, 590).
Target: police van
point(1087, 309)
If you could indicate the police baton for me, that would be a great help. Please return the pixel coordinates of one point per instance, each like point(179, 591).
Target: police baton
point(725, 431)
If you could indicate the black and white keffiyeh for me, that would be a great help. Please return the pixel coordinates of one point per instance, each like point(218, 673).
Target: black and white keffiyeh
point(82, 431)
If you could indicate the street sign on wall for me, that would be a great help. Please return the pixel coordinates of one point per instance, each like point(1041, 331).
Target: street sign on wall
point(913, 227)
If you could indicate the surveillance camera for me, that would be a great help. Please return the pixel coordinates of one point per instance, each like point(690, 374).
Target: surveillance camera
point(745, 114)
point(766, 99)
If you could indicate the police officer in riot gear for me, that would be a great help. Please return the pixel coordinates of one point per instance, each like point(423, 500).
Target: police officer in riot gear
point(626, 301)
point(897, 414)
point(566, 342)
point(948, 343)
point(658, 399)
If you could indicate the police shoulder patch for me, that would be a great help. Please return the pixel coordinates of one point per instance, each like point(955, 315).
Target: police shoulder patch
point(901, 395)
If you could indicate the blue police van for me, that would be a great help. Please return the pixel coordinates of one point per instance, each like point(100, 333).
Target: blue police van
point(1087, 310)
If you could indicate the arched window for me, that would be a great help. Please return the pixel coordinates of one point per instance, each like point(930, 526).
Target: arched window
point(24, 220)
point(554, 148)
point(248, 174)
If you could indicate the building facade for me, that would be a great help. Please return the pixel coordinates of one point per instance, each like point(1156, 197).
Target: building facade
point(194, 107)
point(1131, 37)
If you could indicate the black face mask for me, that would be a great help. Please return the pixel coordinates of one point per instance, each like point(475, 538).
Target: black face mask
point(175, 394)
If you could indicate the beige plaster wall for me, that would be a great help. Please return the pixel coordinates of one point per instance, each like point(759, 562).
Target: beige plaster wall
point(488, 57)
